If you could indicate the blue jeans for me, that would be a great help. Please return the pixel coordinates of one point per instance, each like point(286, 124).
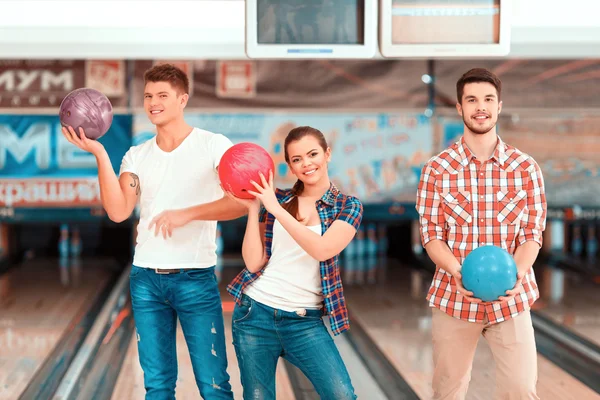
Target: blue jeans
point(157, 302)
point(262, 334)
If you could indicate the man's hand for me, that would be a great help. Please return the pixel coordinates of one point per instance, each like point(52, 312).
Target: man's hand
point(461, 289)
point(249, 204)
point(444, 258)
point(168, 220)
point(80, 140)
point(510, 294)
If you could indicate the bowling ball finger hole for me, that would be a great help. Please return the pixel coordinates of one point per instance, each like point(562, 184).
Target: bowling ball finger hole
point(68, 113)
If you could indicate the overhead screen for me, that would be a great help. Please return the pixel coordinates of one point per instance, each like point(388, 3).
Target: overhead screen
point(444, 28)
point(311, 28)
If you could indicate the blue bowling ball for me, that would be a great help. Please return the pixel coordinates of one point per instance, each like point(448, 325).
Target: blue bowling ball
point(488, 272)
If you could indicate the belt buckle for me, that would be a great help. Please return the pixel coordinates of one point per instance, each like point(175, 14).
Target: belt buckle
point(158, 271)
point(301, 313)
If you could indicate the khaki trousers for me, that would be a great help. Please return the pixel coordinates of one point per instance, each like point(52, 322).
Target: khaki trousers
point(513, 346)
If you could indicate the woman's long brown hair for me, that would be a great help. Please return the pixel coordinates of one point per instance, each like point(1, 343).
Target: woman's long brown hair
point(293, 136)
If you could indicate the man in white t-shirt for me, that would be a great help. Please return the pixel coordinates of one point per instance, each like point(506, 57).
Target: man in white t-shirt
point(174, 176)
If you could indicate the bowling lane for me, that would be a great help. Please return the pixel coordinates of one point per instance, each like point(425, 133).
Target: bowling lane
point(569, 299)
point(39, 300)
point(396, 316)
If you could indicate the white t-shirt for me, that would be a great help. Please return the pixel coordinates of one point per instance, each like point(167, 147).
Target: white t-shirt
point(182, 178)
point(291, 280)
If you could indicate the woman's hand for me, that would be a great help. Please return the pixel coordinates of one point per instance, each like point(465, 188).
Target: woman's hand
point(265, 192)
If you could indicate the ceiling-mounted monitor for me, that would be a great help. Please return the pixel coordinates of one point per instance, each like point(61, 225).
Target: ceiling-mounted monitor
point(444, 28)
point(311, 28)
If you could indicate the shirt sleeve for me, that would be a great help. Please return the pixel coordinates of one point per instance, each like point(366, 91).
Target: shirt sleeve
point(431, 215)
point(352, 212)
point(128, 164)
point(533, 222)
point(262, 214)
point(219, 145)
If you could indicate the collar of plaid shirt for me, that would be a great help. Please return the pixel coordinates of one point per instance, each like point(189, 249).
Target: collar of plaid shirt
point(466, 155)
point(333, 295)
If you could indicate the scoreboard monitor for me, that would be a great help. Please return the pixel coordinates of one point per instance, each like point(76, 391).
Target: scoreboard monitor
point(311, 28)
point(444, 28)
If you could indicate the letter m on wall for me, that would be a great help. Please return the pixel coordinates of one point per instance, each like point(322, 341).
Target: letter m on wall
point(36, 140)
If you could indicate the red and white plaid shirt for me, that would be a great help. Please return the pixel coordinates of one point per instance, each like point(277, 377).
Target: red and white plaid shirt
point(469, 203)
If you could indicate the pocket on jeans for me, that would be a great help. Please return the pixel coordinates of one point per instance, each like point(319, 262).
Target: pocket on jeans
point(243, 311)
point(200, 274)
point(135, 271)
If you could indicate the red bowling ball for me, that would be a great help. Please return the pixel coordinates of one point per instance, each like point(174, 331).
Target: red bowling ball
point(242, 163)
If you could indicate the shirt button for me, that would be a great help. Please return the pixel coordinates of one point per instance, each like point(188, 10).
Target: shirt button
point(481, 197)
point(481, 219)
point(324, 278)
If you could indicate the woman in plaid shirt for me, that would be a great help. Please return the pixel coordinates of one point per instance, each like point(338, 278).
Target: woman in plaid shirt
point(292, 278)
point(481, 191)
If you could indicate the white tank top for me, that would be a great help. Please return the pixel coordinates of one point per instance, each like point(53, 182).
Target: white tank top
point(291, 280)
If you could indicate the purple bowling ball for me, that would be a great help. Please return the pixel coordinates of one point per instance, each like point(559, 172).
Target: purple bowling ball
point(89, 109)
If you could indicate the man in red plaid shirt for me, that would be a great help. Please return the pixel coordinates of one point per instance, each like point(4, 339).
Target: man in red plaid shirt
point(481, 191)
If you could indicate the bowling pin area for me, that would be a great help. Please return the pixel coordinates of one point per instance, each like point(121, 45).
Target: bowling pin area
point(67, 330)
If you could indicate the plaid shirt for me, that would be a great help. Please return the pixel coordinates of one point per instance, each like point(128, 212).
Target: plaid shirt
point(468, 203)
point(332, 206)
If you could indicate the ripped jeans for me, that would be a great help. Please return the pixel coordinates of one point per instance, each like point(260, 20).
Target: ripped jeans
point(193, 296)
point(262, 334)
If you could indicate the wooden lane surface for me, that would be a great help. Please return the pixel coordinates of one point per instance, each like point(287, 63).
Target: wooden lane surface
point(38, 305)
point(570, 300)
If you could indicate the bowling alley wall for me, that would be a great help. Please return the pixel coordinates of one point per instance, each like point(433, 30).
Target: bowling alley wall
point(382, 118)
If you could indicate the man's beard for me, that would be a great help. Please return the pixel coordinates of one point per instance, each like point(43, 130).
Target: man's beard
point(478, 130)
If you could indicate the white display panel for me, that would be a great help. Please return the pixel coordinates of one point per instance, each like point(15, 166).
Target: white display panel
point(445, 28)
point(311, 28)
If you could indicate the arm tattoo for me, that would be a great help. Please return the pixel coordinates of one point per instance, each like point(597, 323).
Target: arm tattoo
point(136, 183)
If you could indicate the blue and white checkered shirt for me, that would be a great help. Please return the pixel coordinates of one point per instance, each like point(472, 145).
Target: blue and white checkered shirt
point(333, 206)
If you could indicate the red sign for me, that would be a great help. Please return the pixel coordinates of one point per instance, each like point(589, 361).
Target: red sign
point(50, 192)
point(106, 76)
point(236, 79)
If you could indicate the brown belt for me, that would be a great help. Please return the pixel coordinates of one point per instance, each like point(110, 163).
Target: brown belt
point(167, 271)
